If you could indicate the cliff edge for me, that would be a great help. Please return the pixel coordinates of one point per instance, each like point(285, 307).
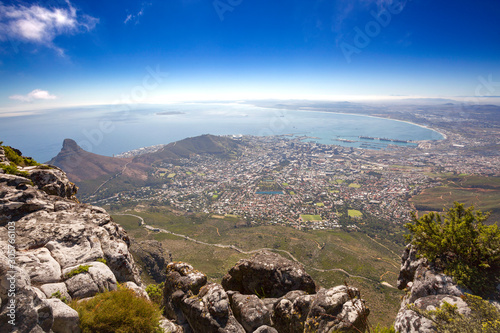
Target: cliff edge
point(51, 245)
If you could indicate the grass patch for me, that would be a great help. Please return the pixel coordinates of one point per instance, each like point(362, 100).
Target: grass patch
point(118, 311)
point(311, 217)
point(354, 213)
point(80, 269)
point(354, 185)
point(481, 192)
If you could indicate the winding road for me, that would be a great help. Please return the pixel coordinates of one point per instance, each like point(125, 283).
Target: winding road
point(237, 249)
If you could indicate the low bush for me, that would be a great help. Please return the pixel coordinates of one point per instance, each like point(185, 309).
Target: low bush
point(14, 156)
point(120, 311)
point(155, 293)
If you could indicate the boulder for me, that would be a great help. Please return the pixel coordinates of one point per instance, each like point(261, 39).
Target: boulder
point(99, 278)
point(60, 288)
point(81, 286)
point(210, 312)
point(267, 274)
point(182, 281)
point(170, 327)
point(66, 319)
point(53, 181)
point(136, 289)
point(408, 321)
point(40, 265)
point(291, 311)
point(337, 309)
point(429, 282)
point(249, 310)
point(69, 253)
point(427, 289)
point(266, 329)
point(31, 313)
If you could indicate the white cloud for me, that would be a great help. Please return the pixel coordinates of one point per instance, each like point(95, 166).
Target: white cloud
point(34, 95)
point(39, 25)
point(135, 18)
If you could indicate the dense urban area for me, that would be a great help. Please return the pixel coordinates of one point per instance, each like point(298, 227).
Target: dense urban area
point(297, 182)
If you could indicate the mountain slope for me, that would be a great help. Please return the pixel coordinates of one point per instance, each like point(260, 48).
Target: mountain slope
point(81, 165)
point(204, 144)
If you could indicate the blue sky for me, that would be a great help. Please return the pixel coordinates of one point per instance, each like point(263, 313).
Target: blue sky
point(64, 53)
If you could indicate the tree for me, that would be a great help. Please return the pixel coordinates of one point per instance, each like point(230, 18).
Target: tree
point(459, 244)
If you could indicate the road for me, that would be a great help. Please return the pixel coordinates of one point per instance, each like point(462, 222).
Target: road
point(237, 249)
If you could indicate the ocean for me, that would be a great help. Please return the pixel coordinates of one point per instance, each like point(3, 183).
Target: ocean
point(109, 130)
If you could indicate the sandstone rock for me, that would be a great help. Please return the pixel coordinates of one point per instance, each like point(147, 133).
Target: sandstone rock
point(169, 327)
point(153, 256)
point(408, 321)
point(428, 282)
point(40, 265)
point(31, 312)
point(50, 289)
point(209, 311)
point(269, 275)
point(136, 289)
point(427, 290)
point(266, 329)
point(70, 253)
point(55, 234)
point(409, 264)
point(3, 158)
point(249, 310)
point(290, 315)
point(81, 286)
point(182, 281)
point(98, 279)
point(53, 181)
point(337, 308)
point(66, 319)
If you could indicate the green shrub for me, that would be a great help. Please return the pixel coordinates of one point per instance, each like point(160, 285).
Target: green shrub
point(483, 318)
point(58, 294)
point(102, 260)
point(14, 157)
point(460, 244)
point(155, 293)
point(78, 270)
point(13, 170)
point(120, 311)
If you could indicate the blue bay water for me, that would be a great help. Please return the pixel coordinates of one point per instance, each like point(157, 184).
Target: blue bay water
point(109, 130)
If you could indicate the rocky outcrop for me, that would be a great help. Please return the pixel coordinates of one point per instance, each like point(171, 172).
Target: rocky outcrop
point(51, 248)
point(268, 275)
point(427, 289)
point(153, 257)
point(53, 181)
point(210, 312)
point(201, 307)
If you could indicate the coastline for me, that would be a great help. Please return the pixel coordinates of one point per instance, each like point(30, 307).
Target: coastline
point(366, 115)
